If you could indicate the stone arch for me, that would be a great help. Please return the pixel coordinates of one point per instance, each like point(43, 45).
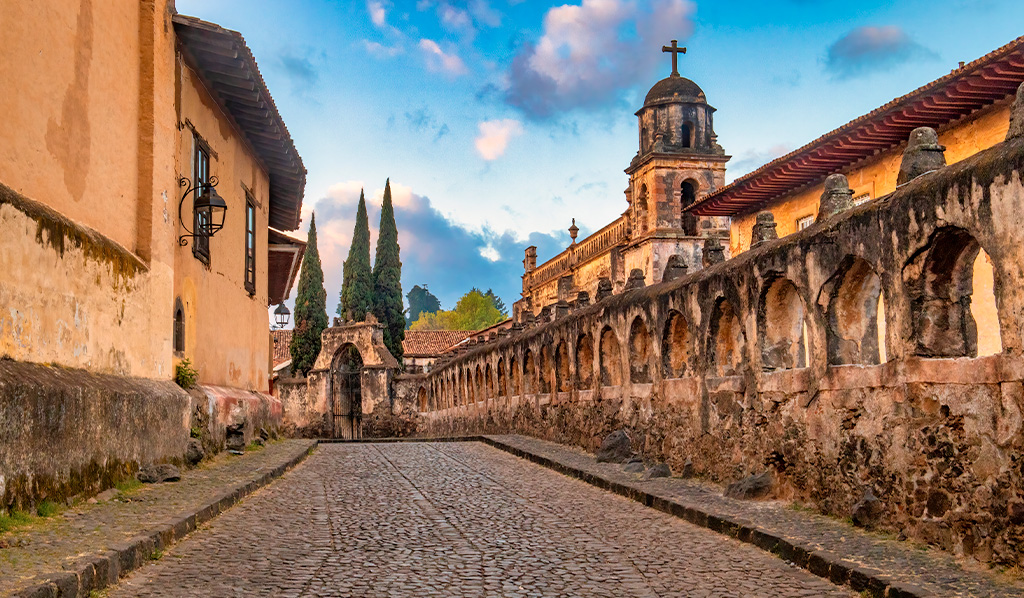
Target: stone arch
point(563, 368)
point(546, 370)
point(686, 134)
point(944, 309)
point(179, 326)
point(780, 326)
point(488, 382)
point(611, 358)
point(515, 377)
point(502, 379)
point(642, 201)
point(687, 197)
point(852, 302)
point(346, 392)
point(421, 398)
point(675, 346)
point(640, 352)
point(529, 373)
point(585, 361)
point(725, 340)
point(479, 385)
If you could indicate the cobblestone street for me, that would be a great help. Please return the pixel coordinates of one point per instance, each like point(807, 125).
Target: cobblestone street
point(437, 519)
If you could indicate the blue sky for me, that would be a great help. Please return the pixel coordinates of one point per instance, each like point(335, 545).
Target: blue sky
point(498, 121)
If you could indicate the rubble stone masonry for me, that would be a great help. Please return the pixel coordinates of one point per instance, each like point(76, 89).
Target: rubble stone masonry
point(844, 358)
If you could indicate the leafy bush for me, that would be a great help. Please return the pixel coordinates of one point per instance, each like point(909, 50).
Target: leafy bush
point(185, 375)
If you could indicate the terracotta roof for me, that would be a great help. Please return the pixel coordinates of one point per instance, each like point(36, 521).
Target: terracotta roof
point(282, 346)
point(284, 254)
point(226, 65)
point(428, 343)
point(989, 79)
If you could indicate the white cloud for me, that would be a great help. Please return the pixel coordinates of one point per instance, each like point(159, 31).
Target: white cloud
point(378, 14)
point(380, 50)
point(439, 60)
point(590, 52)
point(494, 136)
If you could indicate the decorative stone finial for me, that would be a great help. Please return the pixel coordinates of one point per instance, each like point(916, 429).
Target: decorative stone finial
point(675, 268)
point(1017, 116)
point(635, 280)
point(561, 309)
point(604, 288)
point(582, 299)
point(544, 315)
point(923, 154)
point(764, 229)
point(573, 231)
point(714, 253)
point(837, 197)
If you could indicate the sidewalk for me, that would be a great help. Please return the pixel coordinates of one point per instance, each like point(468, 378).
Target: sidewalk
point(826, 547)
point(89, 546)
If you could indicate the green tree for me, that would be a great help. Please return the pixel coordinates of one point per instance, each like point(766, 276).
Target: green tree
point(357, 283)
point(420, 300)
point(387, 278)
point(474, 311)
point(310, 307)
point(496, 300)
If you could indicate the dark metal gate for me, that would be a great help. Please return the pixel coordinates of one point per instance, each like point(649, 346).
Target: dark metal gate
point(347, 403)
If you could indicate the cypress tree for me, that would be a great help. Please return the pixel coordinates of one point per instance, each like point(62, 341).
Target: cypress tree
point(387, 278)
point(357, 285)
point(310, 307)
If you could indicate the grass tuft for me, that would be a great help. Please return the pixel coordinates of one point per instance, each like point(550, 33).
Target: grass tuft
point(13, 520)
point(47, 508)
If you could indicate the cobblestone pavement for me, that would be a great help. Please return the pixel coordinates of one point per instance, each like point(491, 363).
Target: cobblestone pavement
point(57, 544)
point(932, 571)
point(455, 519)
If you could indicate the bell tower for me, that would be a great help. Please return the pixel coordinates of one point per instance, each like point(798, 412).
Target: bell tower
point(679, 162)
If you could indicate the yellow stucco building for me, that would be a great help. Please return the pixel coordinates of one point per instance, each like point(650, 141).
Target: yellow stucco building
point(114, 110)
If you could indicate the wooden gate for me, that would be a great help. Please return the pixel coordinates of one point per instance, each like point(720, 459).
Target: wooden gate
point(347, 402)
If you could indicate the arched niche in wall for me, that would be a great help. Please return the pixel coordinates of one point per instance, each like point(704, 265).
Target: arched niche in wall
point(585, 361)
point(640, 352)
point(563, 368)
point(611, 358)
point(421, 398)
point(529, 373)
point(488, 382)
point(852, 302)
point(725, 340)
point(479, 385)
point(780, 326)
point(502, 378)
point(944, 310)
point(675, 346)
point(546, 371)
point(515, 377)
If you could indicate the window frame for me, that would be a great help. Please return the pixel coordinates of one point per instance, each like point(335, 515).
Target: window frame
point(200, 176)
point(804, 222)
point(249, 276)
point(178, 330)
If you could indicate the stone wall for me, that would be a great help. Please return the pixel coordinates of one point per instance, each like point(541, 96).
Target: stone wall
point(843, 358)
point(68, 432)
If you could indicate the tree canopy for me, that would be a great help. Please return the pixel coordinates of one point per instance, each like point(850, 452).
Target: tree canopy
point(420, 301)
point(474, 311)
point(498, 303)
point(387, 278)
point(310, 307)
point(357, 280)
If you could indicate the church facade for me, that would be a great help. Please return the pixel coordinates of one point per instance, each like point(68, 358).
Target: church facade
point(678, 163)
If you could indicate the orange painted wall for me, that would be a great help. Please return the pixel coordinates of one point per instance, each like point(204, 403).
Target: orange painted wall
point(877, 177)
point(226, 328)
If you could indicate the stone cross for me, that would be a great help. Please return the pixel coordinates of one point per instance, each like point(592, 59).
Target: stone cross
point(676, 51)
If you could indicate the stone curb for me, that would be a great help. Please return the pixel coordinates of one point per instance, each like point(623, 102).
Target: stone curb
point(97, 571)
point(819, 562)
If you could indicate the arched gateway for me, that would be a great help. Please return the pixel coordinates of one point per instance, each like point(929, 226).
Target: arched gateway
point(347, 392)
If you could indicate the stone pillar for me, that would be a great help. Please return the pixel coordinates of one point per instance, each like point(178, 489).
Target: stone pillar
point(604, 288)
point(635, 280)
point(545, 315)
point(530, 261)
point(675, 268)
point(764, 229)
point(714, 253)
point(561, 309)
point(837, 197)
point(1017, 116)
point(582, 299)
point(923, 154)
